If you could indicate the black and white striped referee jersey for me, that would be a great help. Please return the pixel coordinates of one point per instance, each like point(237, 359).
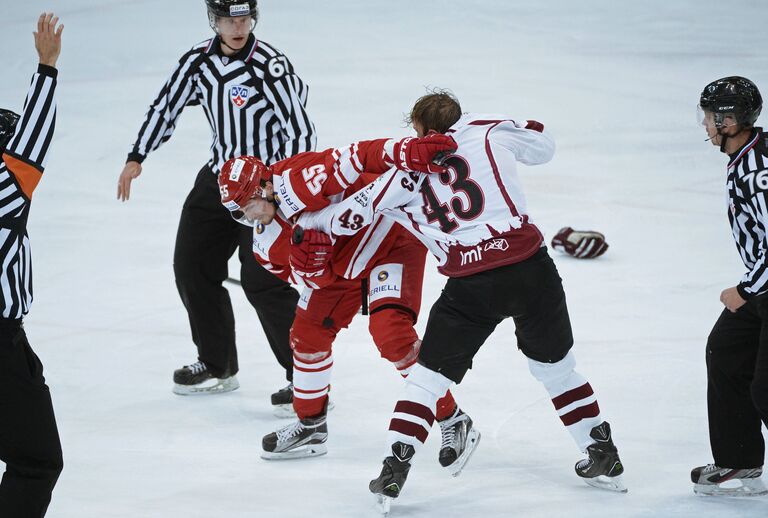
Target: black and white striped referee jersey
point(748, 211)
point(21, 168)
point(254, 102)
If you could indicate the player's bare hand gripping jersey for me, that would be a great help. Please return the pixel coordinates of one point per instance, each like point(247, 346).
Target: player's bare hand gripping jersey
point(472, 218)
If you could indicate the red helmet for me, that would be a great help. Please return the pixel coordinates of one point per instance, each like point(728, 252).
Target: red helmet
point(240, 180)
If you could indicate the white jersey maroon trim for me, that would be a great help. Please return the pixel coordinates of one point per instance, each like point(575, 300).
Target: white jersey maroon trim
point(473, 217)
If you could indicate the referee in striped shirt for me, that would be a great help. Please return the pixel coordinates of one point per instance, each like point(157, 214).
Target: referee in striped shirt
point(255, 104)
point(737, 348)
point(29, 438)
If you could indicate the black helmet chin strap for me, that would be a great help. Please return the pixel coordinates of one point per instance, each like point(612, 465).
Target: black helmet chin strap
point(723, 139)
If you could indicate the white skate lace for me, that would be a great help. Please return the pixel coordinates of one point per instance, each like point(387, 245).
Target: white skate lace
point(448, 431)
point(290, 431)
point(197, 367)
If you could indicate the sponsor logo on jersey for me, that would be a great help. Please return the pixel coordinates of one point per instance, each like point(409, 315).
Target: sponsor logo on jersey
point(239, 9)
point(363, 197)
point(285, 198)
point(238, 94)
point(500, 244)
point(471, 256)
point(386, 282)
point(306, 293)
point(260, 248)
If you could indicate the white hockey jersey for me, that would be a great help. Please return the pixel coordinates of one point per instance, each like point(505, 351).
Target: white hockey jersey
point(473, 217)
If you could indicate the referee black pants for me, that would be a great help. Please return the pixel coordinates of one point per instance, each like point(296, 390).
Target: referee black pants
point(29, 439)
point(206, 239)
point(737, 391)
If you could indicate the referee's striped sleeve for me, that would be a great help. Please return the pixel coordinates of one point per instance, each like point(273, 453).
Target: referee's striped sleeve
point(288, 96)
point(755, 281)
point(26, 154)
point(164, 111)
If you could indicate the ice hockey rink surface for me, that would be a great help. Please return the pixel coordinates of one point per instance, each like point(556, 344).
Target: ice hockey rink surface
point(617, 83)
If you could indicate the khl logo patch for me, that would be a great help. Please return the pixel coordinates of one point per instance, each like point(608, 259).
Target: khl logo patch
point(239, 95)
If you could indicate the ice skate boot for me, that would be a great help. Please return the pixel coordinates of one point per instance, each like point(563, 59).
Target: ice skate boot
point(460, 439)
point(603, 468)
point(196, 379)
point(393, 474)
point(302, 438)
point(712, 480)
point(282, 402)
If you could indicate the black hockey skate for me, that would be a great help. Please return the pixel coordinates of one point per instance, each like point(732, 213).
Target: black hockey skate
point(196, 379)
point(282, 402)
point(460, 439)
point(303, 438)
point(712, 480)
point(393, 475)
point(603, 468)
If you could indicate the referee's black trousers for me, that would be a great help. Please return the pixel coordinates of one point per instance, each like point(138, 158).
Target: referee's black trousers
point(206, 239)
point(737, 392)
point(29, 438)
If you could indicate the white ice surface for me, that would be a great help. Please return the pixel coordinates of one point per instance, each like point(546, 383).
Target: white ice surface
point(616, 82)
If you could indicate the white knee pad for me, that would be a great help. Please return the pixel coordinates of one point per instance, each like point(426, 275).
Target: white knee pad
point(429, 380)
point(553, 373)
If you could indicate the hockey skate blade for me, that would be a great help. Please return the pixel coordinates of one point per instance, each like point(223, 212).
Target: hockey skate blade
point(310, 450)
point(212, 386)
point(284, 411)
point(744, 488)
point(383, 503)
point(608, 483)
point(473, 439)
point(287, 412)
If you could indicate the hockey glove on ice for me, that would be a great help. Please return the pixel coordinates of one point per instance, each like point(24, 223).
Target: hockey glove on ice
point(311, 255)
point(582, 244)
point(424, 154)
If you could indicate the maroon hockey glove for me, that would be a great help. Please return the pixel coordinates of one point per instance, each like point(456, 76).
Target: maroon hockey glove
point(310, 253)
point(425, 154)
point(582, 244)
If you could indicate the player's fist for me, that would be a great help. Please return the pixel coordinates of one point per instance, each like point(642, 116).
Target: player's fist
point(582, 244)
point(423, 154)
point(310, 252)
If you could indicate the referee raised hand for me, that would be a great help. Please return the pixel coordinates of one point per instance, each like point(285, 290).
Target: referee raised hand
point(29, 438)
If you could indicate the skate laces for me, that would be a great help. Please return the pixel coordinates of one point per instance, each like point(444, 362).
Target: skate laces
point(197, 367)
point(448, 430)
point(290, 431)
point(583, 463)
